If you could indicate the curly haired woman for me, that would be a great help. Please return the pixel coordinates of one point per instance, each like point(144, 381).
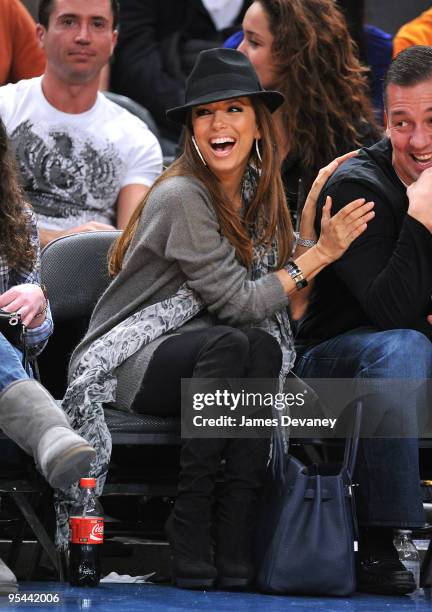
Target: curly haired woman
point(302, 48)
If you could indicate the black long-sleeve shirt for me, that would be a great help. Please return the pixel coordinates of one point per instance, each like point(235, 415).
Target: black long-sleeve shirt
point(385, 277)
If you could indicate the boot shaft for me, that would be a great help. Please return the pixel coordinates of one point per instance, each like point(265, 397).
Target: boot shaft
point(27, 411)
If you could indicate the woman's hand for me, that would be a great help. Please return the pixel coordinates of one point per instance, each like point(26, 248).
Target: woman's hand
point(307, 229)
point(339, 231)
point(28, 300)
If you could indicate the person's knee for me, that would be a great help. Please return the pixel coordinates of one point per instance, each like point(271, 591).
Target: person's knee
point(264, 344)
point(265, 354)
point(249, 352)
point(417, 350)
point(400, 353)
point(262, 339)
point(231, 342)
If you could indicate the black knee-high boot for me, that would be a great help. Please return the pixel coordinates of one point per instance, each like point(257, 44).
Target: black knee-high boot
point(234, 354)
point(237, 509)
point(246, 461)
point(189, 526)
point(245, 468)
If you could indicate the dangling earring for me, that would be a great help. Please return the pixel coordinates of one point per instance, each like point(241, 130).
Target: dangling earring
point(198, 151)
point(258, 154)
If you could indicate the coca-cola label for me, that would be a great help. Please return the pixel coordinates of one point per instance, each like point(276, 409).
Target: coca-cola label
point(86, 530)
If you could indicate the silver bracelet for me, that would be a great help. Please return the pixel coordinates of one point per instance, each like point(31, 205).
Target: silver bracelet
point(305, 242)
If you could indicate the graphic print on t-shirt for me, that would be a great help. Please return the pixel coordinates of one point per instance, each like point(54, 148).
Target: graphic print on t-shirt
point(64, 175)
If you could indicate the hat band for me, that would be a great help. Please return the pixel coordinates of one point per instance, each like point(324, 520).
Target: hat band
point(217, 84)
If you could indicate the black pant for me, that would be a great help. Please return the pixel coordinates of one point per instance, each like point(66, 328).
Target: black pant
point(216, 352)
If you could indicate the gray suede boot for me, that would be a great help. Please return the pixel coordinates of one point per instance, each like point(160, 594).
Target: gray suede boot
point(30, 416)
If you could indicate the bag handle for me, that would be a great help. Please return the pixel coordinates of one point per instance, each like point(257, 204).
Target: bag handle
point(351, 444)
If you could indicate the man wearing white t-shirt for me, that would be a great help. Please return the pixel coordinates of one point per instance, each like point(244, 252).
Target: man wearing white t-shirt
point(85, 162)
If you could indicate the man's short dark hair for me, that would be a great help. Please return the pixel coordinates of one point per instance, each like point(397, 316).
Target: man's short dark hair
point(46, 7)
point(411, 67)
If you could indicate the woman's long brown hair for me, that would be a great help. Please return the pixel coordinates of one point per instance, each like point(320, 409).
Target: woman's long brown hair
point(324, 84)
point(267, 211)
point(15, 237)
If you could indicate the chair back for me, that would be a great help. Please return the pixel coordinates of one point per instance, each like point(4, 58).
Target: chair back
point(135, 109)
point(75, 271)
point(144, 114)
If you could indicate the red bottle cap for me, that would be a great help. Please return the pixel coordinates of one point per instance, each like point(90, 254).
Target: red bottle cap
point(88, 483)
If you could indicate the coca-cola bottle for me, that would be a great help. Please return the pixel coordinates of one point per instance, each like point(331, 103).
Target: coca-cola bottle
point(86, 535)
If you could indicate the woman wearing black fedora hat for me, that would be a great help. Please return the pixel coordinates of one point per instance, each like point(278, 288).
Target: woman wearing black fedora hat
point(202, 277)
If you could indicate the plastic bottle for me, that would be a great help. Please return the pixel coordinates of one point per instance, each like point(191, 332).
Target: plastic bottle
point(86, 536)
point(408, 553)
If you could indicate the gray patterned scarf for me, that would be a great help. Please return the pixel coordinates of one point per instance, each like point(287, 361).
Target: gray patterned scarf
point(93, 382)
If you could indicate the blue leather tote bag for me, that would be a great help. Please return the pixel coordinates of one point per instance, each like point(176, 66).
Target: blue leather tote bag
point(307, 533)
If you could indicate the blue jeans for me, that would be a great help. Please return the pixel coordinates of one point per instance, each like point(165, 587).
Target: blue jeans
point(11, 368)
point(387, 468)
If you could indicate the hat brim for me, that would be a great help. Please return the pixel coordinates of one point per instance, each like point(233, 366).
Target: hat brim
point(272, 99)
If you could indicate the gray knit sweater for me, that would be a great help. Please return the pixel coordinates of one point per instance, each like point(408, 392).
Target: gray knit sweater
point(178, 239)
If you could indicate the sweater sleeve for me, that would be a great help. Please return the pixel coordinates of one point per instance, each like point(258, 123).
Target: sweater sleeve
point(388, 269)
point(209, 262)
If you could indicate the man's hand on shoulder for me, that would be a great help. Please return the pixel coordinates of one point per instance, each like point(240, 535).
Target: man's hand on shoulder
point(420, 199)
point(46, 235)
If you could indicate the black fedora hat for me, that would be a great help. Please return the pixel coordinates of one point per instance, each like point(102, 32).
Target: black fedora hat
point(221, 74)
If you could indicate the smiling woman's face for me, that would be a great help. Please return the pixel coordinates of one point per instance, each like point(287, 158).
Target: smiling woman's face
point(225, 132)
point(257, 44)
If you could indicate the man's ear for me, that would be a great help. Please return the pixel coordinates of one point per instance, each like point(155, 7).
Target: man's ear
point(114, 40)
point(387, 129)
point(40, 34)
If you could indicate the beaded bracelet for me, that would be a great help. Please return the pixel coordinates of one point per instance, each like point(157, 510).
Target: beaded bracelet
point(306, 242)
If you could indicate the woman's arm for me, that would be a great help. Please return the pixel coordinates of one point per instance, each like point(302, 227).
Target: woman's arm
point(184, 228)
point(208, 260)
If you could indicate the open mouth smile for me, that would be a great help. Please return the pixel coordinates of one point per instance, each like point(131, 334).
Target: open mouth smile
point(223, 145)
point(422, 159)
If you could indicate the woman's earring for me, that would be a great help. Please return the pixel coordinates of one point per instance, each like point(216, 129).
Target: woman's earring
point(258, 154)
point(198, 151)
